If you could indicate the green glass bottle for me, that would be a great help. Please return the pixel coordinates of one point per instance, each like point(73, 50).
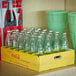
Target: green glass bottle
point(20, 41)
point(17, 31)
point(56, 42)
point(32, 45)
point(27, 43)
point(32, 30)
point(23, 34)
point(50, 31)
point(8, 40)
point(51, 37)
point(29, 33)
point(43, 34)
point(43, 40)
point(64, 45)
point(36, 38)
point(14, 41)
point(45, 30)
point(39, 30)
point(48, 45)
point(17, 35)
point(40, 46)
point(37, 33)
point(25, 31)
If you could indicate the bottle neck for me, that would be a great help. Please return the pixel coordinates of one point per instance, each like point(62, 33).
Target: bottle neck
point(56, 37)
point(40, 41)
point(48, 39)
point(20, 36)
point(8, 34)
point(9, 5)
point(64, 37)
point(32, 39)
point(10, 8)
point(56, 41)
point(14, 35)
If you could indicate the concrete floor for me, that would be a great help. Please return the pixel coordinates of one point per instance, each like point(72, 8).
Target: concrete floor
point(7, 69)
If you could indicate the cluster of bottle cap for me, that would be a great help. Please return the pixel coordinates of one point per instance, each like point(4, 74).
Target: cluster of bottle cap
point(36, 41)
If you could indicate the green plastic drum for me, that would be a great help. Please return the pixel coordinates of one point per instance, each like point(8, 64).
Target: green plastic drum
point(61, 29)
point(72, 27)
point(72, 18)
point(57, 20)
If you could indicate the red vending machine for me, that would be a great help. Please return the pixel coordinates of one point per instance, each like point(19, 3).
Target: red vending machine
point(0, 43)
point(0, 32)
point(10, 18)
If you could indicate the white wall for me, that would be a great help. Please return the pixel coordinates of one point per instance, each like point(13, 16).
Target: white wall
point(71, 5)
point(33, 11)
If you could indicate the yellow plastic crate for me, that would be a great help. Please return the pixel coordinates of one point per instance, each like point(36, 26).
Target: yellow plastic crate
point(38, 63)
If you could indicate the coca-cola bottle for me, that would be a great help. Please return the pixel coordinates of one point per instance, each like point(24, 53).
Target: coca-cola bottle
point(10, 18)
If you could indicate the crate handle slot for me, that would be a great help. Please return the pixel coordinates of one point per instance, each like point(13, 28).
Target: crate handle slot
point(57, 57)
